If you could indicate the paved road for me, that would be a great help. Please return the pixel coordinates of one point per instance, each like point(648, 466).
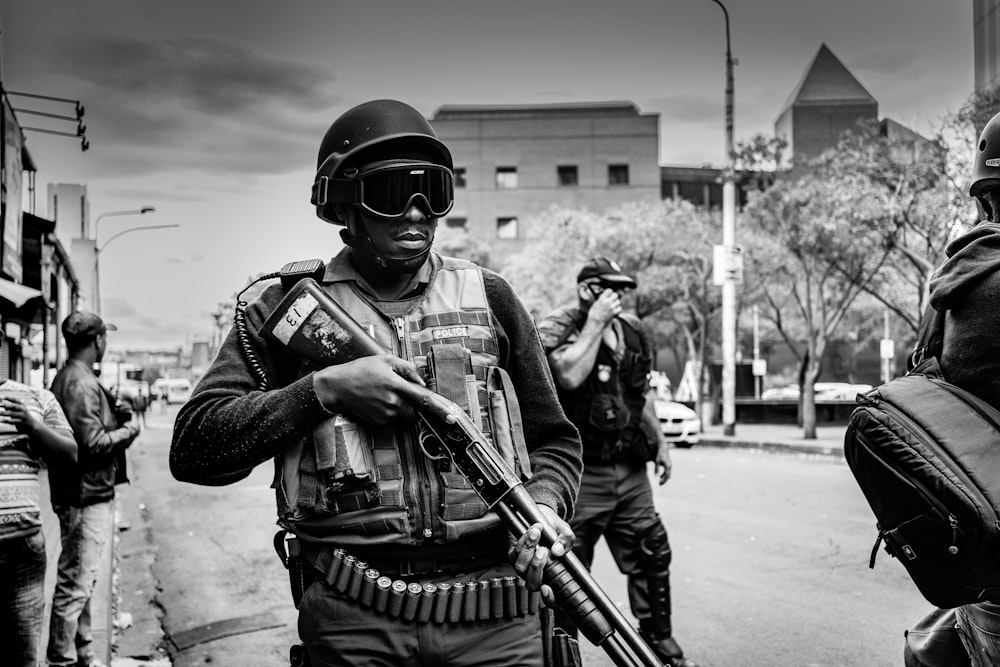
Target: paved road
point(770, 565)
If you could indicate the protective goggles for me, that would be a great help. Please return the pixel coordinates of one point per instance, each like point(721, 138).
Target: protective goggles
point(390, 190)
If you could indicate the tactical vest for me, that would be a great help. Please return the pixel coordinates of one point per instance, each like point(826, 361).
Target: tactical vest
point(612, 397)
point(356, 484)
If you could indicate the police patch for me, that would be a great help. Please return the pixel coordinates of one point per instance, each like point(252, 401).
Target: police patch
point(451, 332)
point(993, 162)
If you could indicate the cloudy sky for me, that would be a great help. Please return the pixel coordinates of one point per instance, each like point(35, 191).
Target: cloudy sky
point(212, 110)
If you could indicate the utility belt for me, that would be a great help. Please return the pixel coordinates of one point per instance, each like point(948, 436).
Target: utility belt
point(459, 601)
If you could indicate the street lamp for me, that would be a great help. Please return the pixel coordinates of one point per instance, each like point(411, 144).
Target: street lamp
point(133, 211)
point(100, 248)
point(730, 253)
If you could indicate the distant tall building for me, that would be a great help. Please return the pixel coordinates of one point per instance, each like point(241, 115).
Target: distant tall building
point(825, 103)
point(70, 208)
point(986, 43)
point(513, 161)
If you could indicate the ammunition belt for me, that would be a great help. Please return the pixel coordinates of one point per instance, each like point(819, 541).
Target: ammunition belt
point(451, 602)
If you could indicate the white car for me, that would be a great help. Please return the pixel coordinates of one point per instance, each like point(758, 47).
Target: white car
point(679, 423)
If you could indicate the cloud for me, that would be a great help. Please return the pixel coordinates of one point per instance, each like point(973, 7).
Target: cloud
point(198, 103)
point(884, 61)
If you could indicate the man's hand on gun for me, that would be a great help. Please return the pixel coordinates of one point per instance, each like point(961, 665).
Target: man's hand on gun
point(379, 390)
point(530, 557)
point(384, 389)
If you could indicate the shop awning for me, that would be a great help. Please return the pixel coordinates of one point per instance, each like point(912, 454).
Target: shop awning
point(19, 302)
point(17, 295)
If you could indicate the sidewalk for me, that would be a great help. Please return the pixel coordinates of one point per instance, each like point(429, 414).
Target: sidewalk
point(101, 602)
point(777, 437)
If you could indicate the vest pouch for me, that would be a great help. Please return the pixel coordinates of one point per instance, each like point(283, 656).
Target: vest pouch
point(608, 413)
point(636, 367)
point(505, 417)
point(344, 468)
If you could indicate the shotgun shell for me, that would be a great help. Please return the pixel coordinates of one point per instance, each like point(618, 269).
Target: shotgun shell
point(471, 606)
point(396, 597)
point(496, 597)
point(357, 577)
point(522, 597)
point(381, 599)
point(411, 601)
point(368, 587)
point(344, 577)
point(455, 601)
point(484, 600)
point(426, 603)
point(441, 602)
point(509, 597)
point(534, 598)
point(336, 565)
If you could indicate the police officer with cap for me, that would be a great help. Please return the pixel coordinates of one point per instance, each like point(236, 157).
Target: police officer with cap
point(404, 562)
point(601, 358)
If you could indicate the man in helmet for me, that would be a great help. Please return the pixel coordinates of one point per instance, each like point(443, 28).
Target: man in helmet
point(402, 555)
point(967, 288)
point(601, 359)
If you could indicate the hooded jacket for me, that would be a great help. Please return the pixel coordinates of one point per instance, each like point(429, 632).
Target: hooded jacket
point(967, 286)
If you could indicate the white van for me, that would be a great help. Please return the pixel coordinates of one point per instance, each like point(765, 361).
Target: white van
point(174, 390)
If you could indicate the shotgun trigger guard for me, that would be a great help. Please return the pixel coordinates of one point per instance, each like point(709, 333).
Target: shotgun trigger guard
point(430, 442)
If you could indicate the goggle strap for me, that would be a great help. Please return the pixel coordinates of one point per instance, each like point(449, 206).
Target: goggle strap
point(334, 190)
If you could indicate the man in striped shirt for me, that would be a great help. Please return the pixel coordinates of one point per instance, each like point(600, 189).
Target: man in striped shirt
point(32, 427)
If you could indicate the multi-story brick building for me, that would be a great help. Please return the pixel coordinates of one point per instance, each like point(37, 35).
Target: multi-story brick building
point(986, 41)
point(515, 161)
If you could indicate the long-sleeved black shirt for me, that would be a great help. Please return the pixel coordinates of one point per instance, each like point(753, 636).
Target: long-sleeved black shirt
point(229, 426)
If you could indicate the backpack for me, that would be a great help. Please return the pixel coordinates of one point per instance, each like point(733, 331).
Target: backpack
point(926, 455)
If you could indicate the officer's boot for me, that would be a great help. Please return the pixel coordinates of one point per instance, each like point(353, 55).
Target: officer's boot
point(656, 630)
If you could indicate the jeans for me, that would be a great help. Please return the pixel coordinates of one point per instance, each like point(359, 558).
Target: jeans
point(22, 598)
point(979, 630)
point(84, 531)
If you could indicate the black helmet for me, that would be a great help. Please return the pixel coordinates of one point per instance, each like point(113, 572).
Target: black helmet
point(986, 165)
point(376, 130)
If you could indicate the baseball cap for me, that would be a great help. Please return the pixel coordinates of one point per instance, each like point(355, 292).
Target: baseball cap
point(606, 270)
point(82, 324)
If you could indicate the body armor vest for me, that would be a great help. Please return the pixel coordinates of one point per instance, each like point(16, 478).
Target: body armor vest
point(607, 407)
point(356, 484)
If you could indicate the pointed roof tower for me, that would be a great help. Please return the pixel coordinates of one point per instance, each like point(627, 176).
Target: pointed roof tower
point(827, 81)
point(826, 102)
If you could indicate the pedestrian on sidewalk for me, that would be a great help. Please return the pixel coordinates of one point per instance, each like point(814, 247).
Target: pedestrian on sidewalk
point(33, 428)
point(353, 484)
point(83, 495)
point(601, 358)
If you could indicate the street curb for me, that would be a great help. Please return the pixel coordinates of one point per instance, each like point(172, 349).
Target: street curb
point(766, 445)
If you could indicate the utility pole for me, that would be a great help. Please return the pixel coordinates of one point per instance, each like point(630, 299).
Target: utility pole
point(731, 253)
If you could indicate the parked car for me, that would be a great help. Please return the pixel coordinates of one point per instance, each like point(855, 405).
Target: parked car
point(679, 423)
point(825, 391)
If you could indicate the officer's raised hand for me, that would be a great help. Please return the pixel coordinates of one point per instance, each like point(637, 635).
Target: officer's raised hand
point(530, 557)
point(606, 307)
point(376, 390)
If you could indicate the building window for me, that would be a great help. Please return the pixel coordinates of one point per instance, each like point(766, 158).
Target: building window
point(568, 175)
point(506, 228)
point(506, 178)
point(456, 223)
point(460, 177)
point(617, 174)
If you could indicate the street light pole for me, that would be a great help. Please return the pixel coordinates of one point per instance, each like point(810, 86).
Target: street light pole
point(730, 250)
point(99, 249)
point(97, 266)
point(134, 211)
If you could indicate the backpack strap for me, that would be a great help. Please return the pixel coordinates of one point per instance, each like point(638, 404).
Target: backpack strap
point(930, 338)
